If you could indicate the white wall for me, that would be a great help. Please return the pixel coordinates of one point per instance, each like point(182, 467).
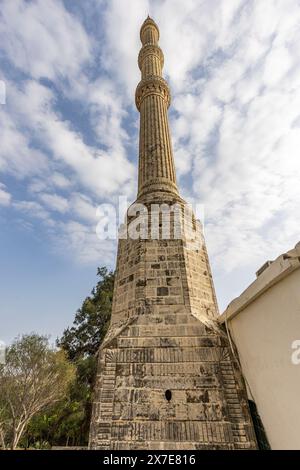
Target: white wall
point(263, 333)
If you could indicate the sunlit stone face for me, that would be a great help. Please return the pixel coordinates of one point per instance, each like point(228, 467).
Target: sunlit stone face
point(166, 378)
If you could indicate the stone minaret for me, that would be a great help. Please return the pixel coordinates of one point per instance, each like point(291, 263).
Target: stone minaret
point(167, 377)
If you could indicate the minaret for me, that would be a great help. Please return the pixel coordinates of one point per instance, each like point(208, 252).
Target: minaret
point(156, 164)
point(167, 376)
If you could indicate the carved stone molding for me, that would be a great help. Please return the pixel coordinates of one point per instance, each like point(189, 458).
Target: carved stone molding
point(152, 85)
point(150, 49)
point(158, 184)
point(148, 23)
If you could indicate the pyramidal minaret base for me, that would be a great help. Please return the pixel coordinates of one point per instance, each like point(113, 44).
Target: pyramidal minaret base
point(167, 377)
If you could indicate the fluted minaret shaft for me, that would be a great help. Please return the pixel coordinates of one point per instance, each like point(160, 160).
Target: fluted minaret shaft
point(156, 163)
point(168, 377)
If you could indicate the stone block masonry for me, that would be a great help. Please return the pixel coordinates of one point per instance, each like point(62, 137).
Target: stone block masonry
point(166, 376)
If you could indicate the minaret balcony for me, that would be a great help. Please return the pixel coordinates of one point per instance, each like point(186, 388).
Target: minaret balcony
point(150, 49)
point(152, 85)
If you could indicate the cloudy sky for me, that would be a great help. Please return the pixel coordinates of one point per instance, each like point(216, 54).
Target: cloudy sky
point(69, 137)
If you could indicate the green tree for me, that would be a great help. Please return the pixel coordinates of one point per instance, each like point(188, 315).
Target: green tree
point(33, 378)
point(91, 320)
point(67, 423)
point(81, 343)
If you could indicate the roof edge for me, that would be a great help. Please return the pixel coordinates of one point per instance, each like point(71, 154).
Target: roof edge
point(280, 268)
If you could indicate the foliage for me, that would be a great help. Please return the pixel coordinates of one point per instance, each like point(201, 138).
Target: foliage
point(33, 378)
point(67, 422)
point(91, 320)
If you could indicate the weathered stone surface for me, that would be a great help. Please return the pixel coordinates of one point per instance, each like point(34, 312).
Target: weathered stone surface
point(163, 333)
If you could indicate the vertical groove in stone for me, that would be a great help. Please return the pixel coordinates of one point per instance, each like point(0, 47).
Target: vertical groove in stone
point(149, 135)
point(156, 165)
point(148, 114)
point(159, 155)
point(163, 138)
point(170, 150)
point(157, 130)
point(141, 160)
point(166, 140)
point(144, 143)
point(161, 336)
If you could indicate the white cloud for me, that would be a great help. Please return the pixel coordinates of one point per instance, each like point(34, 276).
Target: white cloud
point(235, 78)
point(84, 208)
point(37, 185)
point(122, 23)
point(42, 39)
point(16, 155)
point(98, 170)
point(234, 123)
point(277, 65)
point(55, 202)
point(107, 113)
point(33, 209)
point(60, 180)
point(31, 122)
point(5, 197)
point(80, 240)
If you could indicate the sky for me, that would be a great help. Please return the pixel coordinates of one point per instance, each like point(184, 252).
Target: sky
point(69, 139)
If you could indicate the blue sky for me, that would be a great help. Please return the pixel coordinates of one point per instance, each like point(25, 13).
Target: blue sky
point(69, 139)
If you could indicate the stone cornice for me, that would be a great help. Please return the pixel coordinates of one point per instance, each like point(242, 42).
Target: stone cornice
point(158, 184)
point(150, 49)
point(152, 85)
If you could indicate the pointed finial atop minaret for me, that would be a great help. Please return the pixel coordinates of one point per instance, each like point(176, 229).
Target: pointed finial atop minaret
point(152, 97)
point(149, 24)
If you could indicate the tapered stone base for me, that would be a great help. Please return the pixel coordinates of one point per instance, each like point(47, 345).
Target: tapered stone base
point(169, 350)
point(164, 336)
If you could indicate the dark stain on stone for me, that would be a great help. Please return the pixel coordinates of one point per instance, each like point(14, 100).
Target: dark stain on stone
point(167, 342)
point(162, 291)
point(207, 342)
point(205, 397)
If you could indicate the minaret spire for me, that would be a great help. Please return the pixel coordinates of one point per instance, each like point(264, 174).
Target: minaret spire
point(156, 163)
point(166, 377)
